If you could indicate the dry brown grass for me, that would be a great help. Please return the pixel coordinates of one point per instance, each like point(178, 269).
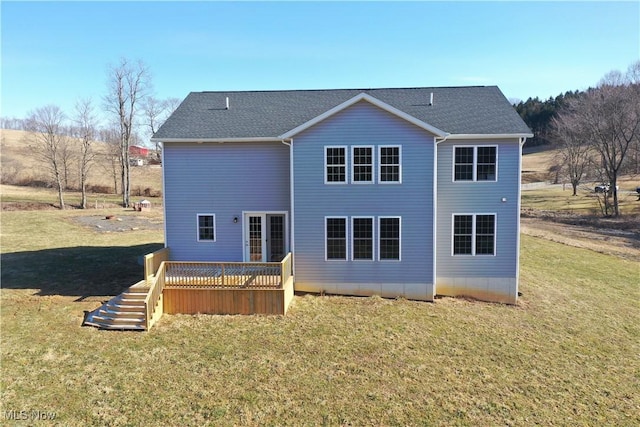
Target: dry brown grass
point(19, 165)
point(536, 164)
point(565, 356)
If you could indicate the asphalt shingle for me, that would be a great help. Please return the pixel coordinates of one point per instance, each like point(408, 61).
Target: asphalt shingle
point(253, 114)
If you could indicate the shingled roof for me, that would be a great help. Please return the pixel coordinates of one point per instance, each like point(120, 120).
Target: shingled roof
point(474, 110)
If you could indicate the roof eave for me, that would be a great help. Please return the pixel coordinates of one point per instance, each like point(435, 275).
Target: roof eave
point(488, 135)
point(219, 140)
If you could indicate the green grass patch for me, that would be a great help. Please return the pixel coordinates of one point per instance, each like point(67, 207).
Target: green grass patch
point(566, 355)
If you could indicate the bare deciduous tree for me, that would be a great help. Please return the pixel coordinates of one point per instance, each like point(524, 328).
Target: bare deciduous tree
point(570, 137)
point(111, 165)
point(85, 130)
point(156, 112)
point(608, 120)
point(49, 140)
point(128, 84)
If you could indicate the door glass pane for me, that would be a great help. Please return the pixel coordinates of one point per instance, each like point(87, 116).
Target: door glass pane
point(255, 238)
point(276, 238)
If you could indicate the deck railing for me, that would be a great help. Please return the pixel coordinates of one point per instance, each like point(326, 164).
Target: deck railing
point(153, 260)
point(157, 283)
point(286, 269)
point(271, 275)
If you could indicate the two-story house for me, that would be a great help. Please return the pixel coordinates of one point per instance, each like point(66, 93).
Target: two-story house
point(409, 192)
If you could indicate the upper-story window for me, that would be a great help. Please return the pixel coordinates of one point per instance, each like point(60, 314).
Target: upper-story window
point(390, 164)
point(361, 165)
point(476, 163)
point(335, 160)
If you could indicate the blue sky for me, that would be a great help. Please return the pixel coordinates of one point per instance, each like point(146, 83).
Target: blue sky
point(57, 52)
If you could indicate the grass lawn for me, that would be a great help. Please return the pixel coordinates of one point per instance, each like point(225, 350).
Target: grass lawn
point(30, 195)
point(584, 203)
point(566, 355)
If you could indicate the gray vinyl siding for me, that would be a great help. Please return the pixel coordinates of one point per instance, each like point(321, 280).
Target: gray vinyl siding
point(365, 125)
point(225, 180)
point(479, 198)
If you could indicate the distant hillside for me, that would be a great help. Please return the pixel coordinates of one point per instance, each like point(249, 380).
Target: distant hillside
point(537, 162)
point(21, 167)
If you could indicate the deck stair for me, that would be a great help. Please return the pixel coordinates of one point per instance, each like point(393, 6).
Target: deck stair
point(123, 312)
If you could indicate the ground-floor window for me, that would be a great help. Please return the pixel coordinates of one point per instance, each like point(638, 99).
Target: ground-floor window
point(336, 238)
point(358, 242)
point(474, 234)
point(389, 238)
point(206, 228)
point(362, 238)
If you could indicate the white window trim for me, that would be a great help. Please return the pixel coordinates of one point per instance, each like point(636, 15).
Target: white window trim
point(346, 165)
point(215, 229)
point(353, 164)
point(373, 238)
point(475, 163)
point(346, 239)
point(399, 238)
point(380, 147)
point(473, 234)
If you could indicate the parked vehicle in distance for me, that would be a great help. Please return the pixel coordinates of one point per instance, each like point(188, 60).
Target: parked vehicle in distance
point(605, 188)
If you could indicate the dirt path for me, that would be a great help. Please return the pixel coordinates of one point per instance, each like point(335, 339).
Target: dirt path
point(620, 238)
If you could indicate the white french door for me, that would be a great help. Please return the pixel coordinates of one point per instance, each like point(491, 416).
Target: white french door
point(255, 242)
point(265, 237)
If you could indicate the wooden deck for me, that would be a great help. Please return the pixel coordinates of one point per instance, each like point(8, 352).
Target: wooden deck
point(217, 288)
point(197, 287)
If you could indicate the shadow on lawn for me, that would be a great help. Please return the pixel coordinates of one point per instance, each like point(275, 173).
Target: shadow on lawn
point(84, 271)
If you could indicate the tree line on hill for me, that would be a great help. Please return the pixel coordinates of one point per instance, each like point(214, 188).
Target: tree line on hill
point(539, 114)
point(596, 130)
point(131, 106)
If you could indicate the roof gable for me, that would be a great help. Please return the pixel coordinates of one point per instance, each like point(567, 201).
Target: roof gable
point(370, 99)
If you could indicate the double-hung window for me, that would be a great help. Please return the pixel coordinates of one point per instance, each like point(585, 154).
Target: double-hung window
point(389, 238)
point(335, 160)
point(474, 234)
point(390, 164)
point(336, 238)
point(206, 228)
point(361, 165)
point(362, 238)
point(475, 163)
